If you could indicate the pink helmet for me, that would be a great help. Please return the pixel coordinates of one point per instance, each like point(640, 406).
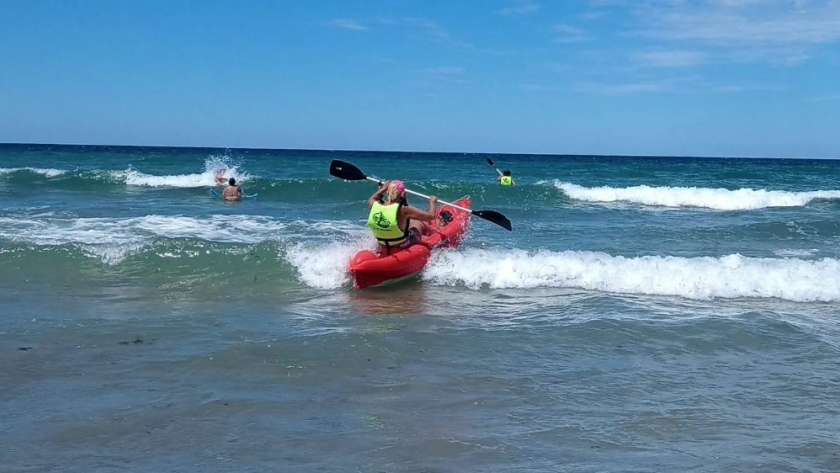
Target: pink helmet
point(399, 185)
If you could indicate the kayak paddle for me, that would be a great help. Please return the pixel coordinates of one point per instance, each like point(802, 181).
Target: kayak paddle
point(349, 172)
point(493, 165)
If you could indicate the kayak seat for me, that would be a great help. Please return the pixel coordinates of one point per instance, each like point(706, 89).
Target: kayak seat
point(445, 218)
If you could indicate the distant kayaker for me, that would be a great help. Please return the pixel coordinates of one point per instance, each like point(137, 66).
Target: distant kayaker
point(233, 191)
point(394, 223)
point(506, 179)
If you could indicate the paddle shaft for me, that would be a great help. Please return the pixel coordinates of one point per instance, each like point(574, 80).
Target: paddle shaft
point(493, 165)
point(409, 191)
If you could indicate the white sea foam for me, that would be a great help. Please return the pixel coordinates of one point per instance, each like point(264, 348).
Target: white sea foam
point(731, 276)
point(212, 166)
point(795, 252)
point(111, 239)
point(113, 253)
point(719, 199)
point(218, 228)
point(44, 172)
point(324, 265)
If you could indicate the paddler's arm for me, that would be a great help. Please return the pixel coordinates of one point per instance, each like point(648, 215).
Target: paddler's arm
point(417, 214)
point(376, 195)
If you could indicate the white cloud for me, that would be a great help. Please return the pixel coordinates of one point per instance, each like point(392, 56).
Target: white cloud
point(674, 86)
point(684, 85)
point(542, 88)
point(429, 29)
point(728, 89)
point(349, 24)
point(569, 34)
point(687, 33)
point(827, 98)
point(609, 3)
point(673, 58)
point(444, 71)
point(757, 23)
point(593, 15)
point(621, 89)
point(739, 3)
point(520, 7)
point(431, 76)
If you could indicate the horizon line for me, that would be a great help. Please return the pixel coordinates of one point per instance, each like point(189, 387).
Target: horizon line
point(340, 150)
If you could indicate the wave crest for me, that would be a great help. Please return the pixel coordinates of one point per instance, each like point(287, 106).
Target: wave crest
point(731, 276)
point(718, 199)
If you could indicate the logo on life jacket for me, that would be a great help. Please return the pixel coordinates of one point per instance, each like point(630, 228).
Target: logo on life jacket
point(380, 221)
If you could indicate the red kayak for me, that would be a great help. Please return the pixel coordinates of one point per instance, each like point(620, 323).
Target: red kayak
point(372, 269)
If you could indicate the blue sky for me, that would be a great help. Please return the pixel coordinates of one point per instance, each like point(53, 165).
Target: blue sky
point(641, 77)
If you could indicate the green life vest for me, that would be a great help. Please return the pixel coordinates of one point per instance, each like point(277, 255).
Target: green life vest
point(383, 222)
point(507, 180)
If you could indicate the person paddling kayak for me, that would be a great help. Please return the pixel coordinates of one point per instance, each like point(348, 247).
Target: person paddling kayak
point(506, 179)
point(393, 222)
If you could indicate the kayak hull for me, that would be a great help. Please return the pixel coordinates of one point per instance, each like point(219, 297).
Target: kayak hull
point(370, 269)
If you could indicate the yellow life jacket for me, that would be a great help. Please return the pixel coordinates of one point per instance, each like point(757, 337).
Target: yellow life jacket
point(507, 180)
point(383, 222)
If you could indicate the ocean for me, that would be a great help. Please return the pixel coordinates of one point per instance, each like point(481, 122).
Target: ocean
point(645, 314)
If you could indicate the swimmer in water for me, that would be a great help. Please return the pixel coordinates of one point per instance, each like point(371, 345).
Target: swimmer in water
point(220, 177)
point(233, 192)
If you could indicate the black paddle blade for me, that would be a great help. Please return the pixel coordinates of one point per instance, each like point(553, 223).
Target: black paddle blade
point(495, 217)
point(346, 171)
point(490, 162)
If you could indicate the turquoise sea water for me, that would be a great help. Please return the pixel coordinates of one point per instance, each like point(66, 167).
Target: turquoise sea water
point(645, 314)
